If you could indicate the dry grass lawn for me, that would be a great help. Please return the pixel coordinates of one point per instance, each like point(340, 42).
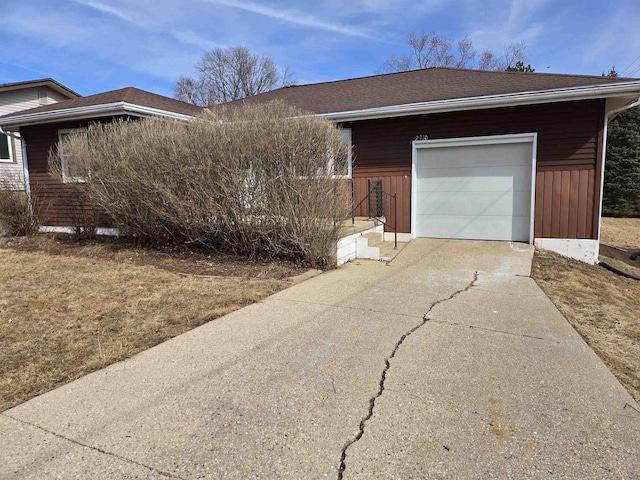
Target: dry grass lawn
point(622, 232)
point(602, 306)
point(64, 316)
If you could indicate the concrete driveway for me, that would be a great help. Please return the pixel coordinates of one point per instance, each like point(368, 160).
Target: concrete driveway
point(448, 363)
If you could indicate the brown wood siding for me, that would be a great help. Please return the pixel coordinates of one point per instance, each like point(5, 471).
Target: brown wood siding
point(568, 156)
point(569, 144)
point(58, 200)
point(396, 182)
point(564, 202)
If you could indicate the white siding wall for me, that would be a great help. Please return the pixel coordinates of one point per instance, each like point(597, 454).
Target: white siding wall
point(11, 174)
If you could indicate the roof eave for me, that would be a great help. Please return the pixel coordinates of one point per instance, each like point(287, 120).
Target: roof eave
point(91, 111)
point(490, 101)
point(48, 82)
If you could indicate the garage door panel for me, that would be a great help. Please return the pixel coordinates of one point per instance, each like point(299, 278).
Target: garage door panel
point(478, 191)
point(473, 227)
point(480, 179)
point(462, 157)
point(475, 203)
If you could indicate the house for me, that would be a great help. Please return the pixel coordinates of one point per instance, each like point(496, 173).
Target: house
point(467, 154)
point(21, 96)
point(473, 154)
point(42, 128)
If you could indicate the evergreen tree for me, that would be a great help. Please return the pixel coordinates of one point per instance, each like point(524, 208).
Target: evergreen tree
point(622, 169)
point(520, 67)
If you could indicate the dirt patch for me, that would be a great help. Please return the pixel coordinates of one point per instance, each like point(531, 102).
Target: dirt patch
point(622, 232)
point(176, 260)
point(602, 306)
point(66, 314)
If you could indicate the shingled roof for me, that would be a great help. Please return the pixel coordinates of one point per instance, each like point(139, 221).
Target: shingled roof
point(41, 82)
point(129, 95)
point(416, 86)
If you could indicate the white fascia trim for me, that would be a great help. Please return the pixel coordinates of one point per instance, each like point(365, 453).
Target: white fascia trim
point(490, 101)
point(102, 110)
point(149, 111)
point(484, 140)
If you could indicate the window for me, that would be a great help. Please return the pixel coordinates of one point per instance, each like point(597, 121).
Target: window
point(6, 149)
point(73, 171)
point(43, 98)
point(342, 165)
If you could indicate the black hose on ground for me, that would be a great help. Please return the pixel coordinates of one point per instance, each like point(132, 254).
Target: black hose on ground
point(620, 249)
point(634, 255)
point(613, 269)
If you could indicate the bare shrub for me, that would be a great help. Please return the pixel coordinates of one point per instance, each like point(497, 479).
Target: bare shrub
point(254, 180)
point(17, 216)
point(84, 215)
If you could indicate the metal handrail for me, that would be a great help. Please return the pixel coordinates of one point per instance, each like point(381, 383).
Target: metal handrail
point(392, 197)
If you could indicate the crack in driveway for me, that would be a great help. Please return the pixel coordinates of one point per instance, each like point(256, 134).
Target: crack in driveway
point(383, 376)
point(94, 448)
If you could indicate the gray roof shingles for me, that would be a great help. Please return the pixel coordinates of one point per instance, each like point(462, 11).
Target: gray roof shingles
point(426, 85)
point(129, 95)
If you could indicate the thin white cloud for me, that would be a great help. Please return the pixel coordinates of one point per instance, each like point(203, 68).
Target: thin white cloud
point(108, 9)
point(75, 40)
point(22, 66)
point(189, 38)
point(506, 26)
point(295, 17)
point(182, 36)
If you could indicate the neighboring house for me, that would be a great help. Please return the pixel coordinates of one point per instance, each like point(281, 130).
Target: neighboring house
point(473, 154)
point(43, 127)
point(15, 97)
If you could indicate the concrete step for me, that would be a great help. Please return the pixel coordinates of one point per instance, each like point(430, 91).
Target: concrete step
point(388, 250)
point(374, 238)
point(372, 246)
point(367, 245)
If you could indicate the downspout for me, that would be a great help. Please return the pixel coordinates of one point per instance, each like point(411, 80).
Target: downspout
point(25, 166)
point(607, 115)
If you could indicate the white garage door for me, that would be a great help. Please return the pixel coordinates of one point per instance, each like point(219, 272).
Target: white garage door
point(473, 188)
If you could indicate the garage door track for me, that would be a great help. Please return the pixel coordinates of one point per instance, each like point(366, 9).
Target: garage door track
point(449, 362)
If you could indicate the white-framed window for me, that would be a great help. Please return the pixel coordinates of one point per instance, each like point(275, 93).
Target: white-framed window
point(342, 166)
point(6, 149)
point(73, 171)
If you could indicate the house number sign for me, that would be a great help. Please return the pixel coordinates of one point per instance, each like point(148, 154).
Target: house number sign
point(422, 137)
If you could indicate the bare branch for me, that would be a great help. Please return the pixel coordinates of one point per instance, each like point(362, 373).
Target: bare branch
point(226, 74)
point(431, 50)
point(258, 182)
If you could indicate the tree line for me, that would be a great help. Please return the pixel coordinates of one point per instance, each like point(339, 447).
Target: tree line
point(226, 74)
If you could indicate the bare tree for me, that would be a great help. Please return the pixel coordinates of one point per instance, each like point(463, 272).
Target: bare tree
point(225, 74)
point(466, 53)
point(513, 53)
point(488, 61)
point(431, 50)
point(428, 50)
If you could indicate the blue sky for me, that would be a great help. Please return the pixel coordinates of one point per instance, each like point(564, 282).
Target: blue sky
point(97, 45)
